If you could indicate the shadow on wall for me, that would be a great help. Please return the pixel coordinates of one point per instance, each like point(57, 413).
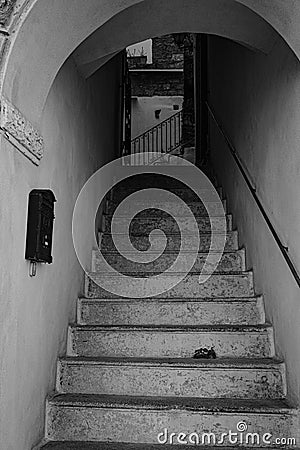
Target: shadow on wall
point(257, 102)
point(80, 129)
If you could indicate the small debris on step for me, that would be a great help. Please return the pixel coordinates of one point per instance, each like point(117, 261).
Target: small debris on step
point(205, 353)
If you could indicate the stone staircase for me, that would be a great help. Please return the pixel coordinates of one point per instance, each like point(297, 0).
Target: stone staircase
point(129, 372)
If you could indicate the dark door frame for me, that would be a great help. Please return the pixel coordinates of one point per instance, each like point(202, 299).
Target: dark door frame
point(201, 97)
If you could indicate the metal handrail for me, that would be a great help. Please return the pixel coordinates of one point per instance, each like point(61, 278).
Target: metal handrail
point(284, 249)
point(158, 125)
point(162, 138)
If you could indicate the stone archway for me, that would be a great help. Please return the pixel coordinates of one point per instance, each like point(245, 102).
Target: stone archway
point(45, 49)
point(32, 53)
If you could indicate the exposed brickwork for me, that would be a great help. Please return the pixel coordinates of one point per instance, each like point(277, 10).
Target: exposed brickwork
point(148, 84)
point(165, 53)
point(188, 125)
point(136, 62)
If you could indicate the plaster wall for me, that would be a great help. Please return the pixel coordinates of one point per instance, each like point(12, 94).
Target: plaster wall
point(143, 112)
point(257, 100)
point(35, 51)
point(78, 125)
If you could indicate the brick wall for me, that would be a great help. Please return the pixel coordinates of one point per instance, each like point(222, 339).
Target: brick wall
point(148, 84)
point(137, 62)
point(165, 53)
point(188, 125)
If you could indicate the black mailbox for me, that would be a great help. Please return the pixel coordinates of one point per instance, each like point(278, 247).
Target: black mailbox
point(40, 226)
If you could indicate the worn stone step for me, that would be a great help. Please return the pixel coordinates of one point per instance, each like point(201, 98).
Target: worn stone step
point(217, 285)
point(197, 208)
point(241, 341)
point(144, 419)
point(170, 181)
point(219, 378)
point(118, 194)
point(145, 225)
point(189, 241)
point(230, 262)
point(80, 445)
point(231, 311)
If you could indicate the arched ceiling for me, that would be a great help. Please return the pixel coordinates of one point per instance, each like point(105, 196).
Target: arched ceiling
point(44, 33)
point(222, 17)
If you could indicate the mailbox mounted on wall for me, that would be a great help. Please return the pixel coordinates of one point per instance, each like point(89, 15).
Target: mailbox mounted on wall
point(40, 226)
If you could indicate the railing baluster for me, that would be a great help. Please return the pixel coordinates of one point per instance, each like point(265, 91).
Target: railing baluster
point(167, 136)
point(172, 134)
point(162, 138)
point(175, 131)
point(180, 127)
point(152, 143)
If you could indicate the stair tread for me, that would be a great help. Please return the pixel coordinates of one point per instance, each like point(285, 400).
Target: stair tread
point(112, 252)
point(153, 217)
point(188, 202)
point(240, 273)
point(147, 274)
point(173, 300)
point(244, 363)
point(175, 328)
point(209, 405)
point(186, 233)
point(68, 445)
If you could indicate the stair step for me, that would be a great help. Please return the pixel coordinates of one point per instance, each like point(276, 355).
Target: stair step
point(230, 262)
point(242, 341)
point(170, 181)
point(141, 242)
point(217, 285)
point(142, 419)
point(118, 194)
point(129, 375)
point(230, 378)
point(197, 208)
point(145, 225)
point(80, 445)
point(230, 311)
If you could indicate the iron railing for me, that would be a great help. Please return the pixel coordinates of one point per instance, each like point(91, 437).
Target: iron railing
point(283, 248)
point(162, 138)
